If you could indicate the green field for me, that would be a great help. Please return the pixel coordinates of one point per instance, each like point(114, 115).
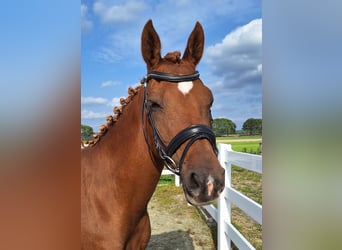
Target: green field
point(239, 137)
point(246, 147)
point(166, 180)
point(241, 143)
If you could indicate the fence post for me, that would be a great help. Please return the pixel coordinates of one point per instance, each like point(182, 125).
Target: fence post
point(224, 206)
point(177, 180)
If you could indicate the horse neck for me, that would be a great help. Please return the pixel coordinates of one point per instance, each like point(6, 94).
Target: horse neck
point(126, 132)
point(124, 152)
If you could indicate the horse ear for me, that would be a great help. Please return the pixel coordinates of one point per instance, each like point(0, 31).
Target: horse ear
point(150, 45)
point(195, 45)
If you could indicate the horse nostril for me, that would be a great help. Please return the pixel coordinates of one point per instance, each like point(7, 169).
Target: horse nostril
point(194, 181)
point(194, 186)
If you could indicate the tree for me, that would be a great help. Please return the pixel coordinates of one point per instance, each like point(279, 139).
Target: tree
point(86, 131)
point(222, 126)
point(252, 126)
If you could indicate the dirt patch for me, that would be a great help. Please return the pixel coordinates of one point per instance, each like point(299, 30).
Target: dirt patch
point(175, 224)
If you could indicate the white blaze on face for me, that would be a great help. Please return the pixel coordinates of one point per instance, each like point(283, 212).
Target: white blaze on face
point(185, 87)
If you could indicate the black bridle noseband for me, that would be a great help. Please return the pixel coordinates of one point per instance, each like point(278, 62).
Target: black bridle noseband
point(191, 133)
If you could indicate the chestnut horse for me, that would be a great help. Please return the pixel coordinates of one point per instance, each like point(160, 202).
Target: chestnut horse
point(163, 122)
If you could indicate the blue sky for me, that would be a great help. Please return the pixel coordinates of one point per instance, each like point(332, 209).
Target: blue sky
point(111, 60)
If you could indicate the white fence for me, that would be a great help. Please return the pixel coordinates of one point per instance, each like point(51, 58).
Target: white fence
point(222, 215)
point(226, 231)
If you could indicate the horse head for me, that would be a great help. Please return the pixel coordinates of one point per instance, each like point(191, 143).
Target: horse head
point(177, 116)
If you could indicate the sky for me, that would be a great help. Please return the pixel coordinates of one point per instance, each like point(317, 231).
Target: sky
point(111, 59)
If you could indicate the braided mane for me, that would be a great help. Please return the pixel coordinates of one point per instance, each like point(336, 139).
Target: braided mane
point(111, 119)
point(173, 57)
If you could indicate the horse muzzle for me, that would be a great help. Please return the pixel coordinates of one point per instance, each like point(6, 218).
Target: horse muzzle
point(203, 187)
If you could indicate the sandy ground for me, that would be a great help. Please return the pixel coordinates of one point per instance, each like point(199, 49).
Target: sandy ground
point(178, 226)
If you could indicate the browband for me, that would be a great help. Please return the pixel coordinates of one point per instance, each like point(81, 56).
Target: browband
point(160, 76)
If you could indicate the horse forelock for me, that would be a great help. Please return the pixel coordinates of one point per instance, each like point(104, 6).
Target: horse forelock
point(111, 119)
point(174, 57)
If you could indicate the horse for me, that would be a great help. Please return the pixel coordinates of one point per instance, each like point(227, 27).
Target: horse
point(165, 121)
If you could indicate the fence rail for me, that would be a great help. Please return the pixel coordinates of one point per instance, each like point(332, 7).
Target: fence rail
point(222, 214)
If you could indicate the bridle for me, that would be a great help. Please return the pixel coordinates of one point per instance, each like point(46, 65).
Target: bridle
point(191, 133)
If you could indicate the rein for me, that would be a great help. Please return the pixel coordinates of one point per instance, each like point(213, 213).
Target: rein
point(191, 133)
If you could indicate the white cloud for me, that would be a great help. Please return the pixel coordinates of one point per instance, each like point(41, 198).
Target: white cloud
point(238, 57)
point(118, 13)
point(172, 20)
point(100, 101)
point(236, 72)
point(85, 22)
point(107, 55)
point(101, 112)
point(93, 100)
point(115, 102)
point(89, 114)
point(109, 84)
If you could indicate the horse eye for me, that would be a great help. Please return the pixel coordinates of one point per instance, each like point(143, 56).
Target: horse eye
point(154, 105)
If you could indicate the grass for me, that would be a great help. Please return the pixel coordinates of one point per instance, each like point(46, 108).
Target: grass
point(247, 182)
point(250, 184)
point(166, 194)
point(238, 137)
point(246, 147)
point(169, 200)
point(252, 147)
point(251, 230)
point(166, 180)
